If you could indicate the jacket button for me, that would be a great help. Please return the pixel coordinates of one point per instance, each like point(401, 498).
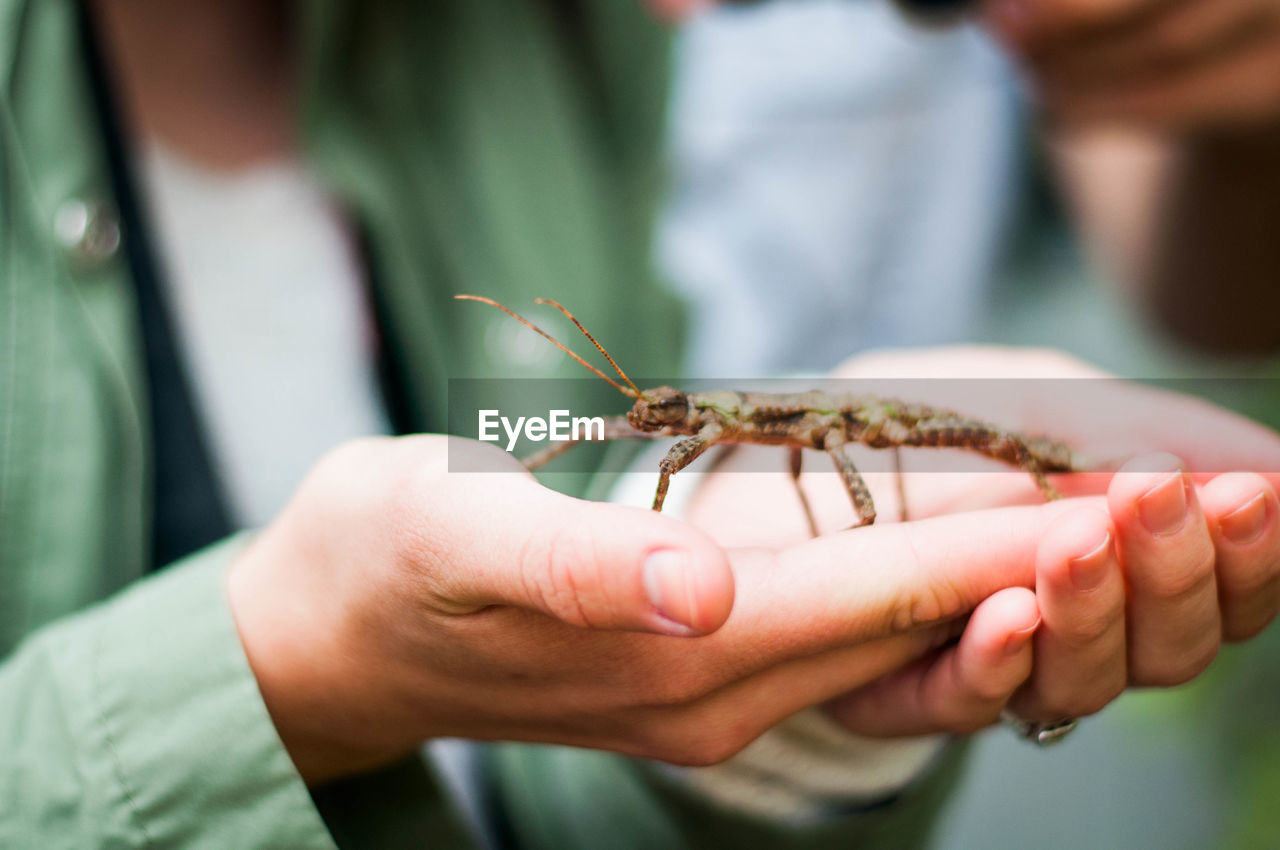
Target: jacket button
point(89, 232)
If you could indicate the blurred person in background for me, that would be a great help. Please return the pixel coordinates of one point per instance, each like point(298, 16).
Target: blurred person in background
point(858, 181)
point(1098, 177)
point(231, 232)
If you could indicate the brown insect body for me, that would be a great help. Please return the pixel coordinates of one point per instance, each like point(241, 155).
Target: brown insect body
point(812, 420)
point(807, 421)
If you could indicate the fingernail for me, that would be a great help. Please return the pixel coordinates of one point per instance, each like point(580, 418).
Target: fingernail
point(1087, 571)
point(1017, 640)
point(1163, 509)
point(669, 585)
point(1245, 523)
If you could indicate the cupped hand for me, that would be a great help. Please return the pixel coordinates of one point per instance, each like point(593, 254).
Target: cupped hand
point(1138, 579)
point(395, 601)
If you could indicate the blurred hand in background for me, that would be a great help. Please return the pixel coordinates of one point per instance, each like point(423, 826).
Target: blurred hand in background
point(1174, 64)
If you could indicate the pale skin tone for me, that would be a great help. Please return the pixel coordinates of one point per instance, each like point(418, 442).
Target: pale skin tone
point(1138, 608)
point(393, 602)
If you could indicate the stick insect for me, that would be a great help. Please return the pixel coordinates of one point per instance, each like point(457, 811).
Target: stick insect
point(825, 422)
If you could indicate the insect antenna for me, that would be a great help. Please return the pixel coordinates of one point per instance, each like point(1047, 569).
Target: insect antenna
point(587, 334)
point(632, 392)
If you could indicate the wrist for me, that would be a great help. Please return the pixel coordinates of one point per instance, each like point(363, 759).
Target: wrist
point(321, 699)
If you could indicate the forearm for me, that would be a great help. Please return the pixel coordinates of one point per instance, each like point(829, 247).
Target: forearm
point(1186, 227)
point(1215, 276)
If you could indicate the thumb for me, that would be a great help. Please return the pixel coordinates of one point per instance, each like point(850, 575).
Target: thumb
point(589, 564)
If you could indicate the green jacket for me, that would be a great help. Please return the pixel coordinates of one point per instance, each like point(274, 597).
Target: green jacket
point(494, 147)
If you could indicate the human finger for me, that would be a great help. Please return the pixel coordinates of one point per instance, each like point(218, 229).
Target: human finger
point(1174, 629)
point(1242, 512)
point(1180, 35)
point(851, 590)
point(1031, 26)
point(706, 727)
point(962, 688)
point(1080, 650)
point(1237, 89)
point(877, 581)
point(511, 541)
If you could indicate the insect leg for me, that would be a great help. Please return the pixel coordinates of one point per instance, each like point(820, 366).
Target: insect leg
point(681, 455)
point(1052, 455)
point(863, 505)
point(901, 484)
point(796, 458)
point(541, 458)
point(615, 428)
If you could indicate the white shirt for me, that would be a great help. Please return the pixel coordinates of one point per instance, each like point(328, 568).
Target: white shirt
point(265, 289)
point(842, 182)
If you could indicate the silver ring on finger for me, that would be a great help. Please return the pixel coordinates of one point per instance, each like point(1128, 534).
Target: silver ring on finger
point(1039, 732)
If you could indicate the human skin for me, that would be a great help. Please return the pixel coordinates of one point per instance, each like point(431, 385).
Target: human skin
point(1170, 64)
point(394, 601)
point(1150, 609)
point(1193, 85)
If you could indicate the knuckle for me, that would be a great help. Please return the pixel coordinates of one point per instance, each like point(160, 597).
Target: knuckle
point(986, 691)
point(1205, 657)
point(1182, 581)
point(966, 716)
point(1166, 675)
point(969, 722)
point(415, 467)
point(1242, 629)
point(926, 607)
point(1076, 702)
point(932, 600)
point(1250, 578)
point(553, 568)
point(422, 459)
point(1088, 629)
point(1170, 670)
point(1090, 704)
point(677, 687)
point(687, 742)
point(654, 740)
point(713, 750)
point(989, 693)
